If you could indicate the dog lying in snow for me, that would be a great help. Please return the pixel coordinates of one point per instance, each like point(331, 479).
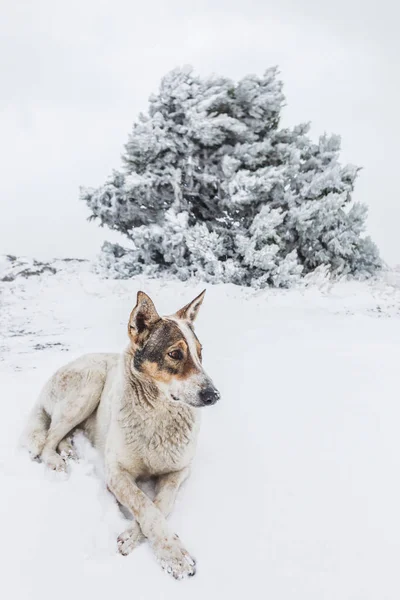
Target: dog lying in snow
point(140, 409)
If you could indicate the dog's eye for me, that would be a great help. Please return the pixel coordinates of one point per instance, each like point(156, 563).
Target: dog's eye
point(176, 354)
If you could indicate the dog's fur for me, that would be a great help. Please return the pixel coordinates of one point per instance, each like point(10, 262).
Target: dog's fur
point(140, 410)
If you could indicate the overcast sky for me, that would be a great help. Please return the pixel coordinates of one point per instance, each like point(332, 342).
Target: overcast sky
point(75, 74)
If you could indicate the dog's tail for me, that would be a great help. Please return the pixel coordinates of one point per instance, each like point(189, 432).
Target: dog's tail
point(35, 433)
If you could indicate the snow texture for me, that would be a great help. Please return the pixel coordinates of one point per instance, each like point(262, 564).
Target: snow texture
point(211, 186)
point(295, 489)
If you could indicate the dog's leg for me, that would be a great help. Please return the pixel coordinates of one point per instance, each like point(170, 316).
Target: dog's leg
point(74, 409)
point(167, 546)
point(58, 431)
point(35, 434)
point(166, 491)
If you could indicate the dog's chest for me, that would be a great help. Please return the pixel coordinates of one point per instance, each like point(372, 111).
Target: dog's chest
point(160, 441)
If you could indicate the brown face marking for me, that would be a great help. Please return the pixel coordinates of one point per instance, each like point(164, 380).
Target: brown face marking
point(152, 370)
point(153, 359)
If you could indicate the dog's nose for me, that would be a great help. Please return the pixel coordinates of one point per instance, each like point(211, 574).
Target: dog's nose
point(209, 395)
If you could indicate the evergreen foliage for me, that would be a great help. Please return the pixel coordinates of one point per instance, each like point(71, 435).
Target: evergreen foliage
point(212, 186)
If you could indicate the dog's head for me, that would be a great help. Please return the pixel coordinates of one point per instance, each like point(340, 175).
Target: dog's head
point(167, 350)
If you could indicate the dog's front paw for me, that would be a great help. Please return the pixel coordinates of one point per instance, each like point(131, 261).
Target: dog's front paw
point(129, 539)
point(173, 557)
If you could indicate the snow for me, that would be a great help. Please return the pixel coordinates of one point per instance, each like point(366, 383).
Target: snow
point(295, 488)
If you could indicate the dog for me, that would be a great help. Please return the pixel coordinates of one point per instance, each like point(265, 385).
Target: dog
point(140, 410)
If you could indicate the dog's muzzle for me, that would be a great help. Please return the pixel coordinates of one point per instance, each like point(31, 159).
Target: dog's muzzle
point(209, 395)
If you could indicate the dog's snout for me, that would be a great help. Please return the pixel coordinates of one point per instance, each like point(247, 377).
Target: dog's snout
point(209, 395)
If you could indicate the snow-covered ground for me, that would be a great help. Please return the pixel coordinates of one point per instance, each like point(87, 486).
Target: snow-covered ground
point(295, 491)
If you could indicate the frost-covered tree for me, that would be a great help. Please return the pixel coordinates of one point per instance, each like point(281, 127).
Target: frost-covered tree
point(211, 186)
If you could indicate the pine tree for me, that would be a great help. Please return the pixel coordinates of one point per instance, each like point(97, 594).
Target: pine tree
point(211, 186)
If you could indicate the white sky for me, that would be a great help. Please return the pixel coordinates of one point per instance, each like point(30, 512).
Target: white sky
point(75, 74)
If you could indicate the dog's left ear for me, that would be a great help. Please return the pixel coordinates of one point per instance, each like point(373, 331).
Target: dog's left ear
point(189, 312)
point(143, 316)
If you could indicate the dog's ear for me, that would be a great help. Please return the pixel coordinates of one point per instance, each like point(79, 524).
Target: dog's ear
point(143, 316)
point(189, 312)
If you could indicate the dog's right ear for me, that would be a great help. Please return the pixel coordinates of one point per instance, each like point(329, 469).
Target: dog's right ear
point(143, 316)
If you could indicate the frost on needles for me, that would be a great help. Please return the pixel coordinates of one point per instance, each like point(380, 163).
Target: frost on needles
point(212, 186)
